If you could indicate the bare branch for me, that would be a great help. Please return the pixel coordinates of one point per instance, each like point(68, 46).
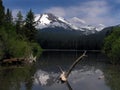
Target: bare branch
point(74, 64)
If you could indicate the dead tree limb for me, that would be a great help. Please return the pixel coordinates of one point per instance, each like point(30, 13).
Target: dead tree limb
point(75, 63)
point(64, 75)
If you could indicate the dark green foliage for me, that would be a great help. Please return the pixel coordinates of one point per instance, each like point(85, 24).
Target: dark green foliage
point(29, 28)
point(19, 24)
point(2, 13)
point(35, 48)
point(19, 18)
point(8, 17)
point(60, 38)
point(12, 46)
point(13, 38)
point(112, 45)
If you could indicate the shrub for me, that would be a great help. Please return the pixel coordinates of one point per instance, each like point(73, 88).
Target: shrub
point(112, 45)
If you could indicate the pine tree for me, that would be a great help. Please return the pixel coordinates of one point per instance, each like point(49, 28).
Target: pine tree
point(19, 23)
point(19, 18)
point(8, 17)
point(2, 13)
point(30, 18)
point(30, 30)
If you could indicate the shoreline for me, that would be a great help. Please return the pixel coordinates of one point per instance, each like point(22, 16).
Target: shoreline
point(54, 50)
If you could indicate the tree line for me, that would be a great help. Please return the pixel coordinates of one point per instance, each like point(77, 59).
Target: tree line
point(17, 36)
point(60, 38)
point(112, 45)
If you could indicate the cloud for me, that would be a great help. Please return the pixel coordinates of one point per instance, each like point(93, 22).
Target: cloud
point(57, 11)
point(93, 12)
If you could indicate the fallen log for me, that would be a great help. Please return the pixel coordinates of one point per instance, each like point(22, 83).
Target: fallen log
point(13, 61)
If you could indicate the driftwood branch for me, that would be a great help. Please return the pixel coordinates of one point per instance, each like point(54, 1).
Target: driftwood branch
point(64, 75)
point(60, 69)
point(74, 64)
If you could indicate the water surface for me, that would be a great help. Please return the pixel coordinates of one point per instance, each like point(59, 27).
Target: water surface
point(91, 73)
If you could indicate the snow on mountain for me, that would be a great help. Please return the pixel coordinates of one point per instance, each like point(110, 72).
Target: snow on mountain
point(72, 26)
point(100, 27)
point(49, 20)
point(44, 20)
point(77, 21)
point(82, 24)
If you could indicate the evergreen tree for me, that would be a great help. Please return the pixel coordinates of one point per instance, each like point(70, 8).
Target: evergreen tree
point(112, 45)
point(19, 23)
point(29, 27)
point(8, 17)
point(19, 18)
point(11, 46)
point(2, 13)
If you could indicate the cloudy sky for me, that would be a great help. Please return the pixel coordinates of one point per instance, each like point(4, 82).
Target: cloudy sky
point(94, 12)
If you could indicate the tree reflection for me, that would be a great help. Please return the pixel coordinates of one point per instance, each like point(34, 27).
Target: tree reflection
point(69, 86)
point(12, 78)
point(112, 77)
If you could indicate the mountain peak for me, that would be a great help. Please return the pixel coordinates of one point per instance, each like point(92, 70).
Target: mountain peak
point(49, 20)
point(44, 20)
point(78, 20)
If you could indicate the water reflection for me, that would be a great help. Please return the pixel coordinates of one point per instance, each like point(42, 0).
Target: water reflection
point(69, 86)
point(13, 78)
point(90, 74)
point(44, 78)
point(87, 71)
point(112, 77)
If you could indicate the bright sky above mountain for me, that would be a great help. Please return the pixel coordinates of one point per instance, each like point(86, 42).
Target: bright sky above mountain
point(94, 12)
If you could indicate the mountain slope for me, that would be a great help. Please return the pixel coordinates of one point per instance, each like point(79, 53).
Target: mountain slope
point(58, 33)
point(48, 20)
point(82, 24)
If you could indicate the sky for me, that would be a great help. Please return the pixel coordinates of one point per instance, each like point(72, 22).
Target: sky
point(94, 12)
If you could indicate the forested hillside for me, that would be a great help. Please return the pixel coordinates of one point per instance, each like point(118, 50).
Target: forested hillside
point(60, 38)
point(112, 45)
point(17, 35)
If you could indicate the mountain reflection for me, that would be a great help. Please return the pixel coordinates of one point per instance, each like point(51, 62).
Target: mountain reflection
point(44, 78)
point(90, 74)
point(76, 77)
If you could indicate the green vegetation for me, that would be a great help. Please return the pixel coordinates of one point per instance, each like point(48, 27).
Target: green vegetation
point(17, 37)
point(112, 45)
point(2, 14)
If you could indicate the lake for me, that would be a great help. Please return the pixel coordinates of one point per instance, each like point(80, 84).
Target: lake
point(92, 73)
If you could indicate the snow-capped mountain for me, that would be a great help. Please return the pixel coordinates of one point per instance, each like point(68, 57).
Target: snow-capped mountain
point(82, 24)
point(100, 27)
point(77, 22)
point(49, 20)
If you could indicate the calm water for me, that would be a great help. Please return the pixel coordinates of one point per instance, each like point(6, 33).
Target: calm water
point(92, 73)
